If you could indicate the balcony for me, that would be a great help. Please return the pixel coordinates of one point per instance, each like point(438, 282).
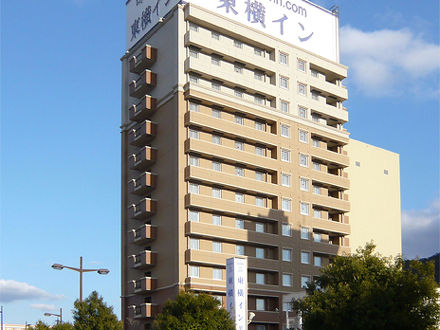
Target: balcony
point(144, 59)
point(142, 159)
point(142, 133)
point(143, 234)
point(142, 210)
point(143, 110)
point(144, 311)
point(143, 85)
point(143, 184)
point(331, 202)
point(330, 227)
point(143, 260)
point(330, 156)
point(143, 285)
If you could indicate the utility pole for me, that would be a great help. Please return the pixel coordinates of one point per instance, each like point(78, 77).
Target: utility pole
point(1, 312)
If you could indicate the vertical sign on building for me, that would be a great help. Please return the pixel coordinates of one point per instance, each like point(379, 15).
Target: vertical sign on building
point(236, 291)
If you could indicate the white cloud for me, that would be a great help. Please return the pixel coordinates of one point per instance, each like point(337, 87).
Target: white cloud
point(44, 307)
point(387, 62)
point(11, 290)
point(421, 231)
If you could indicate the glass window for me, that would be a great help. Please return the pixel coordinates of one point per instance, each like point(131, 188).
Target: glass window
point(285, 229)
point(194, 134)
point(259, 176)
point(285, 155)
point(193, 106)
point(193, 188)
point(287, 280)
point(286, 204)
point(216, 113)
point(315, 117)
point(301, 65)
point(304, 281)
point(302, 89)
point(304, 184)
point(239, 197)
point(258, 51)
point(314, 73)
point(193, 27)
point(193, 160)
point(315, 95)
point(259, 201)
point(217, 247)
point(215, 35)
point(259, 125)
point(316, 143)
point(239, 119)
point(194, 216)
point(304, 208)
point(284, 106)
point(259, 253)
point(317, 261)
point(238, 92)
point(259, 75)
point(304, 233)
point(217, 274)
point(317, 237)
point(193, 78)
point(194, 52)
point(285, 180)
point(259, 227)
point(284, 58)
point(302, 112)
point(238, 44)
point(260, 151)
point(284, 82)
point(194, 271)
point(216, 166)
point(216, 139)
point(258, 99)
point(239, 223)
point(239, 171)
point(216, 85)
point(260, 278)
point(238, 67)
point(285, 130)
point(216, 192)
point(260, 306)
point(303, 136)
point(239, 145)
point(194, 243)
point(216, 220)
point(239, 250)
point(304, 160)
point(287, 307)
point(317, 214)
point(304, 257)
point(215, 59)
point(317, 167)
point(287, 255)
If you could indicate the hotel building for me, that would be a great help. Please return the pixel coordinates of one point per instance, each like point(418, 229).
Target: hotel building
point(233, 144)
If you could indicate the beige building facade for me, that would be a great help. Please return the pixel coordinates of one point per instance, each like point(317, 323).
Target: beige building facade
point(233, 144)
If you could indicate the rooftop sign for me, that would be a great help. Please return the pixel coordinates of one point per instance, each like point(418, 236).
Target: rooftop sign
point(298, 22)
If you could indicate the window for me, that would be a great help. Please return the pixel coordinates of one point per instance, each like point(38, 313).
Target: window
point(259, 227)
point(304, 257)
point(285, 229)
point(239, 223)
point(239, 145)
point(238, 92)
point(301, 65)
point(216, 139)
point(193, 78)
point(285, 155)
point(286, 204)
point(259, 125)
point(259, 176)
point(216, 220)
point(258, 99)
point(239, 171)
point(259, 201)
point(303, 136)
point(193, 160)
point(317, 214)
point(316, 143)
point(217, 274)
point(285, 130)
point(317, 261)
point(193, 188)
point(302, 112)
point(315, 118)
point(259, 151)
point(258, 51)
point(239, 119)
point(216, 166)
point(258, 74)
point(217, 247)
point(194, 243)
point(304, 160)
point(317, 237)
point(193, 106)
point(287, 255)
point(285, 180)
point(385, 172)
point(284, 106)
point(194, 271)
point(194, 52)
point(259, 253)
point(287, 280)
point(284, 82)
point(216, 113)
point(304, 281)
point(284, 58)
point(304, 233)
point(193, 27)
point(358, 164)
point(314, 73)
point(260, 278)
point(215, 59)
point(216, 192)
point(287, 307)
point(315, 95)
point(317, 167)
point(238, 44)
point(238, 67)
point(239, 250)
point(239, 197)
point(215, 35)
point(215, 84)
point(260, 306)
point(304, 208)
point(304, 184)
point(194, 216)
point(194, 134)
point(302, 89)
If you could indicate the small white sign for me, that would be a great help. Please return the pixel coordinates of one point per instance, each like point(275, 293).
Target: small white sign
point(236, 291)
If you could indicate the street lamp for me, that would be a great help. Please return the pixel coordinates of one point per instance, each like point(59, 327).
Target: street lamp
point(60, 315)
point(81, 270)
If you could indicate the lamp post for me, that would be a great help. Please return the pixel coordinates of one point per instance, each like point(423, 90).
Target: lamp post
point(60, 316)
point(81, 270)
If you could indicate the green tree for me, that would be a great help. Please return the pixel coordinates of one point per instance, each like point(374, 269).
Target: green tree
point(367, 291)
point(94, 314)
point(190, 311)
point(40, 325)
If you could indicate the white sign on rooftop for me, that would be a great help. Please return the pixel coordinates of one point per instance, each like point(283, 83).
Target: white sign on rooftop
point(298, 22)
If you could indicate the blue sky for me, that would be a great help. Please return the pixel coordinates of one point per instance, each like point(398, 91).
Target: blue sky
point(60, 116)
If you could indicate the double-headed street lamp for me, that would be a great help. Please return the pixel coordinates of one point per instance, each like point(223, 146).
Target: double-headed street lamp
point(81, 270)
point(60, 316)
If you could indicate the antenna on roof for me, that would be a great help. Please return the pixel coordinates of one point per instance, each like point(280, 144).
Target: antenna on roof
point(334, 9)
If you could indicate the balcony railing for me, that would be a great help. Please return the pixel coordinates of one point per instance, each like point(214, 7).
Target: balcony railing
point(143, 234)
point(143, 260)
point(142, 159)
point(143, 85)
point(143, 110)
point(144, 59)
point(142, 311)
point(142, 210)
point(142, 184)
point(142, 133)
point(145, 284)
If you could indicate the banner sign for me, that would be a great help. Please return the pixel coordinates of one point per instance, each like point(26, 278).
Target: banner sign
point(298, 22)
point(236, 291)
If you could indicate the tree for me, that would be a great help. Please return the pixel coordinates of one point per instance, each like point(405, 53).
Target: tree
point(40, 325)
point(93, 313)
point(367, 291)
point(191, 311)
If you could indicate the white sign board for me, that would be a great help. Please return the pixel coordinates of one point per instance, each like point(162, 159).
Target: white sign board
point(236, 291)
point(298, 22)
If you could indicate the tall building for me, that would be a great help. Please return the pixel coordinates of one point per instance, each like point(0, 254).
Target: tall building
point(233, 144)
